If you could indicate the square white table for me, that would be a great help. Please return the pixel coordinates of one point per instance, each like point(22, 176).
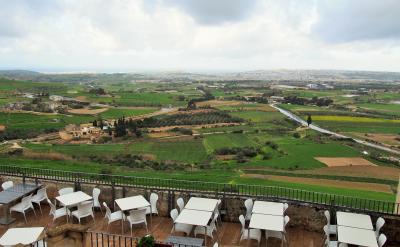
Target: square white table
point(354, 220)
point(357, 236)
point(133, 202)
point(267, 222)
point(203, 204)
point(73, 199)
point(272, 208)
point(23, 235)
point(194, 217)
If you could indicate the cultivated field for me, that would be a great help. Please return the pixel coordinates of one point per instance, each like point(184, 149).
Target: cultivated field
point(206, 131)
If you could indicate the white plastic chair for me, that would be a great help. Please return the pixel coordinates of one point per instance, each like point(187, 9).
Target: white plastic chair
point(57, 213)
point(181, 203)
point(215, 244)
point(217, 213)
point(65, 191)
point(95, 195)
point(249, 208)
point(208, 230)
point(285, 207)
point(379, 224)
point(153, 203)
point(328, 242)
point(178, 227)
point(332, 229)
point(279, 235)
point(40, 196)
point(382, 240)
point(137, 216)
point(6, 185)
point(112, 217)
point(246, 234)
point(23, 206)
point(85, 209)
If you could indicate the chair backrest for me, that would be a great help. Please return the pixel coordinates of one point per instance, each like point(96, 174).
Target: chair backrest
point(26, 201)
point(326, 231)
point(286, 220)
point(382, 240)
point(6, 185)
point(153, 200)
point(42, 193)
point(65, 191)
point(379, 224)
point(181, 203)
point(52, 207)
point(85, 208)
point(108, 210)
point(174, 214)
point(249, 206)
point(212, 223)
point(242, 221)
point(328, 217)
point(96, 194)
point(285, 207)
point(138, 214)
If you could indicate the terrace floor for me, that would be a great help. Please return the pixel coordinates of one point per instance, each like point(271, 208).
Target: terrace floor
point(228, 234)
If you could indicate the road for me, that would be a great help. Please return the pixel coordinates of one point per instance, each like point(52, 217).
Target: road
point(325, 131)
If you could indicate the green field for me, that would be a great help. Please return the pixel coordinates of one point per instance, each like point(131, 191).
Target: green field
point(114, 113)
point(258, 116)
point(278, 144)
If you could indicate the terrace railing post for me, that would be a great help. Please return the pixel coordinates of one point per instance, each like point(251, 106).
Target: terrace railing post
point(123, 191)
point(23, 178)
point(113, 193)
point(36, 181)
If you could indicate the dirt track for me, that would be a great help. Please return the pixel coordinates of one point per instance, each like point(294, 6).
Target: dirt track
point(326, 182)
point(344, 161)
point(85, 111)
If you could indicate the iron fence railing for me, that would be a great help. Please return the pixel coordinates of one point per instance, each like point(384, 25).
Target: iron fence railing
point(201, 187)
point(101, 239)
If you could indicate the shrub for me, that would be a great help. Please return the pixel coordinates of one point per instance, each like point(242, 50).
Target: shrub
point(296, 135)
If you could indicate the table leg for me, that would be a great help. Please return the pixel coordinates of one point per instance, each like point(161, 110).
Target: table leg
point(151, 218)
point(205, 236)
point(6, 219)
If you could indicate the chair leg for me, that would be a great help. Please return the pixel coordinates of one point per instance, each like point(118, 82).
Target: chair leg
point(33, 208)
point(40, 208)
point(25, 218)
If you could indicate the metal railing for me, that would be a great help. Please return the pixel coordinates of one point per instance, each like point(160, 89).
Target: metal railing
point(200, 187)
point(100, 239)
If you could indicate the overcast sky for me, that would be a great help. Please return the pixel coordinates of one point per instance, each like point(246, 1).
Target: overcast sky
point(199, 35)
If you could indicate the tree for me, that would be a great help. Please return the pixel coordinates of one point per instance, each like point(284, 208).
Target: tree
point(309, 120)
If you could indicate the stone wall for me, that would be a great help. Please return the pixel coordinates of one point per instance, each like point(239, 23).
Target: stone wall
point(305, 216)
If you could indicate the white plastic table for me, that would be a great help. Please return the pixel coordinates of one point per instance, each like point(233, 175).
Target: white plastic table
point(267, 222)
point(357, 236)
point(194, 217)
point(272, 208)
point(354, 220)
point(133, 202)
point(23, 235)
point(73, 199)
point(203, 204)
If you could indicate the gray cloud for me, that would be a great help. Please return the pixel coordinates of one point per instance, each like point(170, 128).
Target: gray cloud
point(214, 12)
point(19, 16)
point(345, 21)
